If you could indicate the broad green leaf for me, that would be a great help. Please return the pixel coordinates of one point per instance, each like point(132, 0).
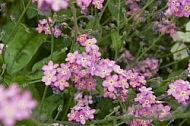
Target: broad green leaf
point(116, 41)
point(50, 104)
point(179, 51)
point(175, 73)
point(21, 50)
point(114, 10)
point(31, 12)
point(19, 79)
point(188, 26)
point(181, 36)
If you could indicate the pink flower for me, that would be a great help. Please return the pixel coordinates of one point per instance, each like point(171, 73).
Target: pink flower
point(90, 44)
point(64, 71)
point(49, 77)
point(83, 4)
point(111, 82)
point(50, 66)
point(83, 59)
point(40, 28)
point(103, 70)
point(57, 5)
point(91, 84)
point(89, 113)
point(61, 83)
point(16, 105)
point(82, 39)
point(25, 104)
point(71, 57)
point(98, 3)
point(56, 32)
point(145, 90)
point(9, 112)
point(163, 110)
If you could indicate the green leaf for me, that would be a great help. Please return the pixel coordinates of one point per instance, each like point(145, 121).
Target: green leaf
point(179, 51)
point(181, 36)
point(57, 56)
point(31, 12)
point(21, 50)
point(188, 26)
point(94, 24)
point(116, 40)
point(114, 10)
point(50, 104)
point(175, 73)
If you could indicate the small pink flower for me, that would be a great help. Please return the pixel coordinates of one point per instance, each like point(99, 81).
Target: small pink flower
point(84, 59)
point(49, 77)
point(71, 57)
point(57, 5)
point(82, 39)
point(50, 66)
point(111, 82)
point(98, 3)
point(61, 83)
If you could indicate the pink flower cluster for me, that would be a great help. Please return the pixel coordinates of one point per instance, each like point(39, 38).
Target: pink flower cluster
point(147, 67)
point(145, 97)
point(188, 70)
point(83, 4)
point(180, 90)
point(179, 8)
point(166, 27)
point(81, 112)
point(43, 26)
point(15, 104)
point(156, 111)
point(56, 5)
point(55, 76)
point(148, 106)
point(115, 80)
point(83, 69)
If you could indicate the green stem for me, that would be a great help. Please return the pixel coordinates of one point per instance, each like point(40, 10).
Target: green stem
point(169, 64)
point(75, 24)
point(143, 53)
point(15, 27)
point(43, 98)
point(51, 57)
point(118, 14)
